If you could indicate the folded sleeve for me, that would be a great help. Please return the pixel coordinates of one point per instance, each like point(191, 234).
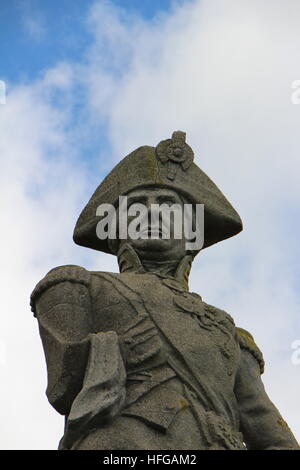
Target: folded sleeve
point(262, 425)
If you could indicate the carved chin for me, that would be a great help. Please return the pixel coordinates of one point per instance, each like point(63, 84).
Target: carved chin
point(159, 249)
point(153, 244)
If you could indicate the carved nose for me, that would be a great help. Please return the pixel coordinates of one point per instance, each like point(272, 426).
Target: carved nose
point(150, 202)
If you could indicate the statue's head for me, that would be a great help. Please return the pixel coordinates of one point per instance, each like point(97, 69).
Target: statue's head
point(152, 176)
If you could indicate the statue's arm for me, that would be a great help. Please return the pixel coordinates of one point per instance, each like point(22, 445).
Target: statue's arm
point(262, 425)
point(61, 303)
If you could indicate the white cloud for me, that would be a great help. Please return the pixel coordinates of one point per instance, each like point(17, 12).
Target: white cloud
point(221, 71)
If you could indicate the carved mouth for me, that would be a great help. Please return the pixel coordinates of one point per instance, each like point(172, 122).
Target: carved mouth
point(152, 232)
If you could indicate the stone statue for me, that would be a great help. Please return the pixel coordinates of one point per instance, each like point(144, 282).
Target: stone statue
point(137, 361)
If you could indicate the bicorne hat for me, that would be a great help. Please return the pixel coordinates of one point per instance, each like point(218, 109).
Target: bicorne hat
point(170, 165)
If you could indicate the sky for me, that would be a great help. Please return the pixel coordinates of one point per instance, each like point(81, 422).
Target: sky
point(89, 81)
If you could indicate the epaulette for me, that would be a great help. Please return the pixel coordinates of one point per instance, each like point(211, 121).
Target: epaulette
point(247, 342)
point(71, 273)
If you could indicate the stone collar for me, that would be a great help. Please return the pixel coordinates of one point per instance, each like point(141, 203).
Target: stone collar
point(129, 261)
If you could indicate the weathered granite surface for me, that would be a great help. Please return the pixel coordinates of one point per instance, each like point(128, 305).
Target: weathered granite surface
point(137, 361)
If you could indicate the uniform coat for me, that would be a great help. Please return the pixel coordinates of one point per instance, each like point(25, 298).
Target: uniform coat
point(136, 361)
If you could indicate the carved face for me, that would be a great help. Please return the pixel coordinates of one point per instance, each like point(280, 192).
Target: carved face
point(161, 242)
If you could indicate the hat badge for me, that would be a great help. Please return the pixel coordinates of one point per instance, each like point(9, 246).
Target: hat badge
point(176, 153)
